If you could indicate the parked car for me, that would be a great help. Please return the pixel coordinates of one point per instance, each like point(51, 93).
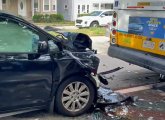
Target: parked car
point(95, 19)
point(37, 69)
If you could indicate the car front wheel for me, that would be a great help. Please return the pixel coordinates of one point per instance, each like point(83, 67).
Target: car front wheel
point(94, 24)
point(74, 96)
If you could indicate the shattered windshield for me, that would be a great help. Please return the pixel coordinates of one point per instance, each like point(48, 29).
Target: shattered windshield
point(17, 38)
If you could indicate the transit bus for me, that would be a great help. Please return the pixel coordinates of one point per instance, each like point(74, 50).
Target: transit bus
point(138, 33)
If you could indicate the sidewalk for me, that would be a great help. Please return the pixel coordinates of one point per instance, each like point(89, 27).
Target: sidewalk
point(150, 106)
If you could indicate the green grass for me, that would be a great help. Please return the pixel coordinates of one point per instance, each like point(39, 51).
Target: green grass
point(100, 31)
point(62, 23)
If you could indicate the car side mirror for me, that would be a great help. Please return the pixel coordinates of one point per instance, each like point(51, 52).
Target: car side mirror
point(53, 48)
point(42, 47)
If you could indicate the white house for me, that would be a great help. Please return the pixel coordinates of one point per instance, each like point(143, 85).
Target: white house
point(27, 8)
point(71, 8)
point(0, 4)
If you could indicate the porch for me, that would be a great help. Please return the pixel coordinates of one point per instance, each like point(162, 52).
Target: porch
point(23, 8)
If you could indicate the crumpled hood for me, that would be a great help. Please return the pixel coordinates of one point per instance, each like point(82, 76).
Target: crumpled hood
point(76, 41)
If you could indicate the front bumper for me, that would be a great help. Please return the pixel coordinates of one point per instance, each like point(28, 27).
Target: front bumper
point(81, 25)
point(139, 58)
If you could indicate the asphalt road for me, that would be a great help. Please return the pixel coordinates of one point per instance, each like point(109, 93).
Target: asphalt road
point(129, 76)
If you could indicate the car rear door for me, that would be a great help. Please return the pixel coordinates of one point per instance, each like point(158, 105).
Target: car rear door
point(25, 75)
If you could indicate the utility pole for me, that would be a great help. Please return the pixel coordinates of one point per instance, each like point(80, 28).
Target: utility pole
point(0, 4)
point(32, 6)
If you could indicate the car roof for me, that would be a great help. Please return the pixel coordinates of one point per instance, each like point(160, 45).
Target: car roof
point(104, 10)
point(108, 10)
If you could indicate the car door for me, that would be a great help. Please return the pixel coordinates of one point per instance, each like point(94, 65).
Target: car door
point(106, 17)
point(25, 74)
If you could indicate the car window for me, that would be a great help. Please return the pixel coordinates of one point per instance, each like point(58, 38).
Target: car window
point(17, 38)
point(108, 13)
point(95, 13)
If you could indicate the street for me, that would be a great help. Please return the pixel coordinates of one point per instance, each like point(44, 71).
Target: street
point(131, 76)
point(62, 58)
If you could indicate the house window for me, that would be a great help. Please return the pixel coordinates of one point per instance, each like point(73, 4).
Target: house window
point(83, 8)
point(87, 8)
point(36, 5)
point(65, 7)
point(95, 6)
point(46, 5)
point(106, 6)
point(78, 9)
point(3, 1)
point(54, 5)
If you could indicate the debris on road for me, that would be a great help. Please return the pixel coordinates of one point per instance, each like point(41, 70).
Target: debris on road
point(106, 95)
point(103, 78)
point(150, 118)
point(116, 106)
point(112, 104)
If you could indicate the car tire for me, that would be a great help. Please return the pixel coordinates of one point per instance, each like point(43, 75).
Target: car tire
point(94, 24)
point(74, 96)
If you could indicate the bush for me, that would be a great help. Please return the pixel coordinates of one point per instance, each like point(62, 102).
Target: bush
point(85, 14)
point(38, 18)
point(53, 17)
point(59, 17)
point(56, 17)
point(46, 18)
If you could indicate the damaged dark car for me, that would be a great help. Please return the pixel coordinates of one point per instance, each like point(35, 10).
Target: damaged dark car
point(37, 69)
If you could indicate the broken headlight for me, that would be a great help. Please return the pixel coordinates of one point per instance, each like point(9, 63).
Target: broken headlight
point(86, 59)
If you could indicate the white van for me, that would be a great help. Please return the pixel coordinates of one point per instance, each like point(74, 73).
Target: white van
point(138, 33)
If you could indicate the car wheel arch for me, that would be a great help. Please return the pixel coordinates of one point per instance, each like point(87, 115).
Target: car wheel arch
point(91, 80)
point(95, 21)
point(72, 78)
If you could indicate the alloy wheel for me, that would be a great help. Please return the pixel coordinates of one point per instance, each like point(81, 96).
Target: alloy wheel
point(75, 96)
